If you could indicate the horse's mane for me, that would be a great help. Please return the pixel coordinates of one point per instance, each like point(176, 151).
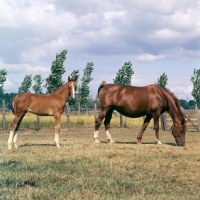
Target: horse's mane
point(101, 86)
point(176, 100)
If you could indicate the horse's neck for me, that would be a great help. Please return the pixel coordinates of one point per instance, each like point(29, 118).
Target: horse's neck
point(63, 92)
point(173, 109)
point(176, 118)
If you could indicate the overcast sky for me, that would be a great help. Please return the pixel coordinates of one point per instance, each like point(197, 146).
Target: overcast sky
point(157, 36)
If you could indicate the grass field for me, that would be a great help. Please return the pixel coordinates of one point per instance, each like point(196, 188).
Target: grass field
point(29, 121)
point(82, 170)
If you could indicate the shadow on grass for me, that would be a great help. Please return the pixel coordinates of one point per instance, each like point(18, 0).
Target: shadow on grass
point(37, 145)
point(152, 143)
point(170, 144)
point(102, 142)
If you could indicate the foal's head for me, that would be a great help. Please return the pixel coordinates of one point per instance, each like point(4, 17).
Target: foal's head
point(72, 86)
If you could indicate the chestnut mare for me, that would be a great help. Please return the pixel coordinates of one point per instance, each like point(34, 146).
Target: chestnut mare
point(43, 105)
point(134, 102)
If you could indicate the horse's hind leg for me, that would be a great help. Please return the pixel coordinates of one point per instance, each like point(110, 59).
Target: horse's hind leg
point(144, 126)
point(98, 122)
point(13, 130)
point(107, 125)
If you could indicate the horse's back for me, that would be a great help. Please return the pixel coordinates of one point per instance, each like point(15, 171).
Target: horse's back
point(131, 101)
point(117, 91)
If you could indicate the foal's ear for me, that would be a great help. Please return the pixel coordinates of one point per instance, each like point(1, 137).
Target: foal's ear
point(75, 78)
point(69, 79)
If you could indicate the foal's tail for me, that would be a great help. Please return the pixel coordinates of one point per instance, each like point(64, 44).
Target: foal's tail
point(12, 104)
point(101, 86)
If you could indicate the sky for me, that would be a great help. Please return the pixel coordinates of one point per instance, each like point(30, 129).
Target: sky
point(157, 36)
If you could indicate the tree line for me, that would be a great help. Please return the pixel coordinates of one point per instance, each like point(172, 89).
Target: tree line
point(83, 97)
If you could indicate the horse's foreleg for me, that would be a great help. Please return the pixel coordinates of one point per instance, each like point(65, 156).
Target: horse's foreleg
point(96, 131)
point(144, 126)
point(57, 130)
point(107, 125)
point(156, 127)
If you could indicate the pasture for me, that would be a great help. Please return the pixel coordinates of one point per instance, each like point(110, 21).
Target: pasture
point(82, 170)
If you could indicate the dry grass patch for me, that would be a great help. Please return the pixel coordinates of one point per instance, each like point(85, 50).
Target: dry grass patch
point(82, 170)
point(30, 121)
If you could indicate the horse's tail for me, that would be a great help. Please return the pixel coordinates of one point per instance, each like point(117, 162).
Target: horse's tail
point(101, 86)
point(12, 104)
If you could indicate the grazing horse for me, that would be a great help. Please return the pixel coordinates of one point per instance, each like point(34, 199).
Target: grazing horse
point(130, 101)
point(43, 105)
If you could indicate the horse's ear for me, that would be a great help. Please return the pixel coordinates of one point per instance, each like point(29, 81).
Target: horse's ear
point(75, 78)
point(69, 79)
point(184, 121)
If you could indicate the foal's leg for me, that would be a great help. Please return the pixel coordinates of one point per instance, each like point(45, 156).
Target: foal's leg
point(57, 129)
point(107, 125)
point(144, 126)
point(156, 127)
point(98, 122)
point(13, 130)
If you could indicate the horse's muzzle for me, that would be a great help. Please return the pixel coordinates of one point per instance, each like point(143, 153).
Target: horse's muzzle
point(180, 144)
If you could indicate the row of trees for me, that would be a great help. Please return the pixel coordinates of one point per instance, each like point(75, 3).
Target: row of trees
point(84, 99)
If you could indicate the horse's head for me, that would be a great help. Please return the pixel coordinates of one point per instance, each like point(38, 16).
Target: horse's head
point(179, 133)
point(72, 86)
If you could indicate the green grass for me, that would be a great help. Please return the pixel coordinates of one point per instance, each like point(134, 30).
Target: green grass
point(82, 170)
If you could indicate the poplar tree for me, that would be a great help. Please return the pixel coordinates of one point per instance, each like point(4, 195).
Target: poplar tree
point(124, 74)
point(54, 81)
point(38, 84)
point(195, 79)
point(26, 84)
point(3, 74)
point(162, 80)
point(123, 77)
point(84, 89)
point(76, 74)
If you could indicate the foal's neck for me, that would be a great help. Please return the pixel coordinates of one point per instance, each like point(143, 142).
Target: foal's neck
point(63, 92)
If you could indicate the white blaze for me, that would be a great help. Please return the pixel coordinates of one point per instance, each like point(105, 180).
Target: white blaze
point(73, 91)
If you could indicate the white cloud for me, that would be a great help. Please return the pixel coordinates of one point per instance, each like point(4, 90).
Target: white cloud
point(104, 32)
point(148, 57)
point(10, 85)
point(182, 92)
point(180, 86)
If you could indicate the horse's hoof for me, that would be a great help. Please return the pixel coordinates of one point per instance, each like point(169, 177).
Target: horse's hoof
point(139, 143)
point(159, 142)
point(96, 141)
point(57, 145)
point(111, 141)
point(16, 146)
point(9, 147)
